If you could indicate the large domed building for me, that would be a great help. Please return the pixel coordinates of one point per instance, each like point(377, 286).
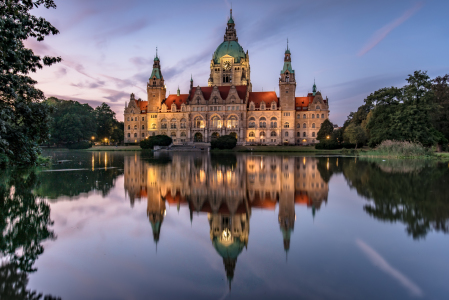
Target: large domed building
point(227, 105)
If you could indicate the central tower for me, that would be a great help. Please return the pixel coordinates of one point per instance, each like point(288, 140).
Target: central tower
point(229, 64)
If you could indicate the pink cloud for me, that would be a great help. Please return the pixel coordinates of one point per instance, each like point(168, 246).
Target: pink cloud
point(382, 33)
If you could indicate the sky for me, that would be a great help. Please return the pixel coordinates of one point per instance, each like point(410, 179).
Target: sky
point(350, 48)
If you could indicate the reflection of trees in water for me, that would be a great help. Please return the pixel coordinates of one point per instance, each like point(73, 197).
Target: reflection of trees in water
point(73, 183)
point(24, 223)
point(412, 192)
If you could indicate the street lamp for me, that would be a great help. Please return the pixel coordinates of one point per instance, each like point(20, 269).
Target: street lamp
point(93, 138)
point(105, 140)
point(327, 137)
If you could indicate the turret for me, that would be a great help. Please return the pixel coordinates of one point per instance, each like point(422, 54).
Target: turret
point(287, 83)
point(231, 33)
point(156, 86)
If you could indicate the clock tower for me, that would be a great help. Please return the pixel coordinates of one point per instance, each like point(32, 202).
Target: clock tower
point(230, 64)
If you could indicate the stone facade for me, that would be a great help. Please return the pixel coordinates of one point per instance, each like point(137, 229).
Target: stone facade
point(227, 105)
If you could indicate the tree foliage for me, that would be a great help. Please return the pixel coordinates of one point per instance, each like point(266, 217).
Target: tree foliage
point(224, 142)
point(326, 130)
point(24, 118)
point(158, 140)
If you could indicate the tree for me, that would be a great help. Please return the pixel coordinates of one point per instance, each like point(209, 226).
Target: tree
point(325, 131)
point(354, 134)
point(24, 118)
point(224, 142)
point(118, 132)
point(158, 140)
point(105, 121)
point(440, 116)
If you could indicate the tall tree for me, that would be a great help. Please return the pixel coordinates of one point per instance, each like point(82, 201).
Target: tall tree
point(326, 130)
point(354, 134)
point(23, 117)
point(440, 116)
point(105, 121)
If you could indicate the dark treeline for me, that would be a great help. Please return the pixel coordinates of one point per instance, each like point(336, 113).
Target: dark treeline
point(73, 122)
point(417, 112)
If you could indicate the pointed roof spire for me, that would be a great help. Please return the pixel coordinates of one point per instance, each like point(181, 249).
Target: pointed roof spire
point(178, 92)
point(288, 50)
point(314, 87)
point(231, 20)
point(156, 58)
point(191, 78)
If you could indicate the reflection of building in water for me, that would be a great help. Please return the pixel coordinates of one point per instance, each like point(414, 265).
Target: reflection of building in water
point(227, 188)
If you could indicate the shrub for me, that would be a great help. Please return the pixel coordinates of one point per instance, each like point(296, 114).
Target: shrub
point(396, 148)
point(79, 145)
point(327, 145)
point(224, 142)
point(158, 140)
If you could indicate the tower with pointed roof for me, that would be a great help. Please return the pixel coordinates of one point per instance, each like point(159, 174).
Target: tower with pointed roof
point(229, 64)
point(156, 86)
point(287, 90)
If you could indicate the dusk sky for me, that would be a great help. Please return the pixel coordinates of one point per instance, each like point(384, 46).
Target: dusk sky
point(350, 47)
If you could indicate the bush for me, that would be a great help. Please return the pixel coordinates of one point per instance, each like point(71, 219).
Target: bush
point(224, 142)
point(158, 140)
point(396, 148)
point(327, 145)
point(79, 145)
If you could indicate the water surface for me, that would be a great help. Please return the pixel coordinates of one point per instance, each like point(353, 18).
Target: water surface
point(105, 225)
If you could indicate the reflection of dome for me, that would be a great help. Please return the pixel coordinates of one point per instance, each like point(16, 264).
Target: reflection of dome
point(229, 253)
point(286, 233)
point(231, 48)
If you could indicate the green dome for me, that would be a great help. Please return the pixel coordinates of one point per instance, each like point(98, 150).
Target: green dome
point(231, 251)
point(231, 48)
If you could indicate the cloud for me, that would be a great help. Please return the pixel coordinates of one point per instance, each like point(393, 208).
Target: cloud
point(382, 264)
point(61, 72)
point(139, 61)
point(382, 33)
point(114, 96)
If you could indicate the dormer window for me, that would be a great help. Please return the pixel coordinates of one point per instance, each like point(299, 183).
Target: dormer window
point(317, 107)
point(251, 106)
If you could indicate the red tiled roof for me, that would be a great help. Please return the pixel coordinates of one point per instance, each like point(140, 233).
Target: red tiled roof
point(142, 105)
point(224, 91)
point(267, 97)
point(175, 199)
point(178, 100)
point(303, 101)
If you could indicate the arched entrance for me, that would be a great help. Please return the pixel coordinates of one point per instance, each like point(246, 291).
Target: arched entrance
point(215, 135)
point(198, 137)
point(233, 134)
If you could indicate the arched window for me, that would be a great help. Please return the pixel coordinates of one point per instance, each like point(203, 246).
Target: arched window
point(251, 134)
point(286, 125)
point(183, 108)
point(263, 122)
point(273, 133)
point(153, 126)
point(298, 125)
point(274, 123)
point(129, 126)
point(173, 134)
point(251, 106)
point(135, 126)
point(304, 116)
point(183, 134)
point(143, 127)
point(198, 122)
point(128, 118)
point(183, 123)
point(286, 133)
point(135, 134)
point(164, 124)
point(232, 122)
point(262, 106)
point(313, 125)
point(304, 134)
point(273, 105)
point(252, 122)
point(143, 134)
point(317, 116)
point(216, 122)
point(322, 116)
point(313, 116)
point(317, 107)
point(262, 134)
point(304, 125)
point(132, 119)
point(173, 123)
point(129, 134)
point(173, 107)
point(313, 134)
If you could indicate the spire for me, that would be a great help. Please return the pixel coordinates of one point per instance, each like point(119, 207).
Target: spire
point(191, 78)
point(288, 50)
point(230, 21)
point(178, 92)
point(230, 34)
point(314, 87)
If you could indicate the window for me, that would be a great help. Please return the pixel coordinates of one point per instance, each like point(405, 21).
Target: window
point(286, 114)
point(313, 116)
point(298, 116)
point(129, 134)
point(317, 116)
point(251, 134)
point(322, 116)
point(298, 134)
point(143, 126)
point(286, 134)
point(317, 107)
point(143, 118)
point(304, 134)
point(135, 134)
point(183, 123)
point(173, 134)
point(298, 125)
point(173, 123)
point(273, 106)
point(232, 122)
point(132, 119)
point(313, 125)
point(198, 122)
point(304, 116)
point(153, 126)
point(286, 125)
point(252, 122)
point(304, 125)
point(263, 122)
point(216, 122)
point(183, 133)
point(128, 118)
point(274, 124)
point(262, 134)
point(273, 133)
point(262, 106)
point(164, 124)
point(313, 134)
point(135, 126)
point(251, 106)
point(143, 134)
point(129, 126)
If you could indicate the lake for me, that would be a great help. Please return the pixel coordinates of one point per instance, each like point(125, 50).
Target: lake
point(131, 225)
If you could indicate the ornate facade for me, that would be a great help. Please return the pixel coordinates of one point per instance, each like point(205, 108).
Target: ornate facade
point(227, 105)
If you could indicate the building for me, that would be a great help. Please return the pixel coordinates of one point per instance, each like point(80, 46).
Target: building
point(227, 105)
